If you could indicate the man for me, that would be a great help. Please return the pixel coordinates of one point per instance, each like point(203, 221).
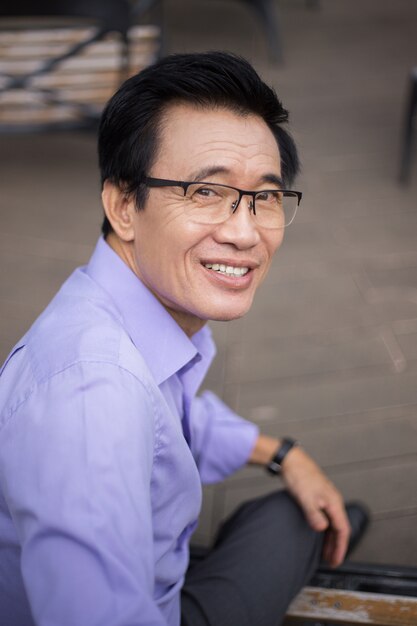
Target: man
point(104, 443)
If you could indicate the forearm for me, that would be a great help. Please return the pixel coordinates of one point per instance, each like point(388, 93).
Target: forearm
point(264, 449)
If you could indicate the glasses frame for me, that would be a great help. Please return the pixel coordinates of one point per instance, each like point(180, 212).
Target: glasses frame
point(149, 181)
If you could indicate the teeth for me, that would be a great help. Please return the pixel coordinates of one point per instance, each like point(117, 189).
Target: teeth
point(227, 269)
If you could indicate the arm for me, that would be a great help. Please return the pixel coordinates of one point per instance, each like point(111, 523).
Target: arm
point(318, 497)
point(221, 440)
point(76, 468)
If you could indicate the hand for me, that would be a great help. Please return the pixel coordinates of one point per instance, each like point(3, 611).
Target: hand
point(321, 502)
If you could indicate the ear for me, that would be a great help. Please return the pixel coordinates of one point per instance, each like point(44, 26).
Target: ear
point(119, 209)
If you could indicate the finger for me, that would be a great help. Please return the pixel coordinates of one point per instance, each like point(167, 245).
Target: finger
point(337, 537)
point(341, 542)
point(332, 553)
point(336, 512)
point(316, 518)
point(339, 533)
point(328, 547)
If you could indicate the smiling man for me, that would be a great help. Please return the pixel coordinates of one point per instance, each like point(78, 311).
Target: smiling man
point(104, 441)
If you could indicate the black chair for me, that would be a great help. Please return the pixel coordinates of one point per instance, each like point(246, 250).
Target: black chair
point(62, 59)
point(266, 11)
point(408, 132)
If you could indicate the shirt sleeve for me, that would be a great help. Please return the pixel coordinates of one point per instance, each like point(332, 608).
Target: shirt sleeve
point(222, 441)
point(76, 471)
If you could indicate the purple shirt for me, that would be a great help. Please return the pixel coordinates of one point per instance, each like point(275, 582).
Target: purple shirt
point(103, 448)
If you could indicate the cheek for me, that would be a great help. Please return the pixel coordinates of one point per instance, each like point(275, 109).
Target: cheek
point(168, 251)
point(273, 242)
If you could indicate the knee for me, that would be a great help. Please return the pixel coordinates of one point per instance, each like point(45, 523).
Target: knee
point(280, 515)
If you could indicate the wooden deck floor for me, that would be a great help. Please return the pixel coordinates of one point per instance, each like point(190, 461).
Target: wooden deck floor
point(329, 352)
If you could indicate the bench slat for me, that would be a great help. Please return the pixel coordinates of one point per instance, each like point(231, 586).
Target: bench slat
point(54, 35)
point(353, 607)
point(47, 50)
point(60, 113)
point(69, 35)
point(78, 79)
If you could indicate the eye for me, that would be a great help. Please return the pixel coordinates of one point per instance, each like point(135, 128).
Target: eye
point(206, 192)
point(269, 196)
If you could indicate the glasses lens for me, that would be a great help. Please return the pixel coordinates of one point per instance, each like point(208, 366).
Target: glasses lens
point(275, 209)
point(207, 203)
point(210, 204)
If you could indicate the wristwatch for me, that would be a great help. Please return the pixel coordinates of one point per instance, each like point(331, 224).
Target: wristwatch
point(274, 465)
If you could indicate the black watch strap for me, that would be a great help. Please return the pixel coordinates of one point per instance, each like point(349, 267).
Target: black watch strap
point(274, 466)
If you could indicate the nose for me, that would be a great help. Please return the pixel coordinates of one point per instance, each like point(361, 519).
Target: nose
point(240, 228)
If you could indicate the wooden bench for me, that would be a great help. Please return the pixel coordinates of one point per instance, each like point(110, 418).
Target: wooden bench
point(59, 72)
point(337, 606)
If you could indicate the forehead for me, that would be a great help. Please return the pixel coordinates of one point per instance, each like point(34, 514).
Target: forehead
point(195, 138)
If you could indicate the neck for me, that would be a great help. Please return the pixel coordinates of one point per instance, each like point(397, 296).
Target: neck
point(189, 323)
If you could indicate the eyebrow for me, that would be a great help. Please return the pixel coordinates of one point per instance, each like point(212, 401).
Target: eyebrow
point(273, 179)
point(208, 172)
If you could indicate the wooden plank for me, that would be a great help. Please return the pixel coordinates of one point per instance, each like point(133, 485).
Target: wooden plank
point(77, 63)
point(19, 97)
point(78, 79)
point(144, 31)
point(36, 116)
point(69, 35)
point(47, 50)
point(16, 68)
point(97, 96)
point(16, 49)
point(91, 94)
point(144, 48)
point(35, 35)
point(41, 50)
point(353, 607)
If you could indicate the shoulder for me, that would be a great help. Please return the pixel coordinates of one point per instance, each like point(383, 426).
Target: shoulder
point(80, 324)
point(79, 336)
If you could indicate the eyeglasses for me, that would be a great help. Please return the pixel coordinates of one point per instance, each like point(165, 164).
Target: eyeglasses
point(212, 203)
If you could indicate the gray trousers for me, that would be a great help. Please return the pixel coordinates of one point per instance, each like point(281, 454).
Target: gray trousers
point(264, 553)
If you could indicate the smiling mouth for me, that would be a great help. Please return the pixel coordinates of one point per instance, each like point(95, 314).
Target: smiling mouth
point(227, 270)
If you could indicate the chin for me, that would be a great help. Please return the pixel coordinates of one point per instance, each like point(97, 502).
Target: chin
point(228, 318)
point(227, 315)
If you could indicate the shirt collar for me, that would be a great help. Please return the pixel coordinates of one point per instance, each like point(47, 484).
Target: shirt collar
point(161, 341)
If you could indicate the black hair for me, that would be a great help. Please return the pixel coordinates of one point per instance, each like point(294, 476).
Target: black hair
point(131, 121)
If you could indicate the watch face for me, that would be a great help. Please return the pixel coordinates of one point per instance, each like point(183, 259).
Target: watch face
point(274, 466)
